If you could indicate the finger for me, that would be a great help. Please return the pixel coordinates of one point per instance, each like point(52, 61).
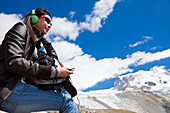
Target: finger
point(70, 72)
point(67, 68)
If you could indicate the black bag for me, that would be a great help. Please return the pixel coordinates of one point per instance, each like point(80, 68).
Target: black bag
point(66, 84)
point(70, 88)
point(49, 84)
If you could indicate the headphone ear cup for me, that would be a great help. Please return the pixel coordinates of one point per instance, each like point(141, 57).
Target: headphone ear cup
point(34, 19)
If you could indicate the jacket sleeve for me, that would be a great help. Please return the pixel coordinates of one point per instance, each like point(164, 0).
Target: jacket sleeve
point(14, 48)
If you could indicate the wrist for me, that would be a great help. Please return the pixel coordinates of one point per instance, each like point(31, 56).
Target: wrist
point(58, 71)
point(53, 72)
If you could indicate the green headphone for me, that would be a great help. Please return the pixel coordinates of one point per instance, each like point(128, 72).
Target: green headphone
point(34, 18)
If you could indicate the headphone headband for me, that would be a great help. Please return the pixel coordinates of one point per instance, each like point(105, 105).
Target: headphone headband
point(33, 12)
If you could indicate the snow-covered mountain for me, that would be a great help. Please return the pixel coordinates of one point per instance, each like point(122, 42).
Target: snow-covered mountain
point(141, 92)
point(156, 80)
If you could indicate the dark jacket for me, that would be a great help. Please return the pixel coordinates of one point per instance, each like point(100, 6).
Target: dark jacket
point(15, 59)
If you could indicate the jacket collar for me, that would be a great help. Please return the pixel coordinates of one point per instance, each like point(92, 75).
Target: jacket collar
point(37, 32)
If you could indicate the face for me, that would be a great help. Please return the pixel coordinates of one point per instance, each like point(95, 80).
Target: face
point(44, 23)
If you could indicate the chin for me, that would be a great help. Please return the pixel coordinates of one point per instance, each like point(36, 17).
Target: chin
point(44, 32)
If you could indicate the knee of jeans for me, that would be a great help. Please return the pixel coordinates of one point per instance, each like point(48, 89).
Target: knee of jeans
point(67, 101)
point(68, 105)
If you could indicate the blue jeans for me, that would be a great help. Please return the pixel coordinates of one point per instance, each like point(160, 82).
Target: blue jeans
point(28, 98)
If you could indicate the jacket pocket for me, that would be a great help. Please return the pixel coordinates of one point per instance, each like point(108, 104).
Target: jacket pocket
point(19, 88)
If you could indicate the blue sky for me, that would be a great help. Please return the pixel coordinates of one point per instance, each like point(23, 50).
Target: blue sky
point(134, 28)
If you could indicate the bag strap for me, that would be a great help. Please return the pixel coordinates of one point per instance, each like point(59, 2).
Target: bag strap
point(48, 47)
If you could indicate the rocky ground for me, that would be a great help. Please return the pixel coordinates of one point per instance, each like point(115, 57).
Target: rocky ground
point(144, 102)
point(86, 110)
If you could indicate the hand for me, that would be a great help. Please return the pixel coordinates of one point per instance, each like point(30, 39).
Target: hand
point(64, 72)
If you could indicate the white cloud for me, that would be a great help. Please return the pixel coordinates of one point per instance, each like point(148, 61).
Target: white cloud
point(67, 50)
point(101, 11)
point(65, 28)
point(146, 38)
point(7, 21)
point(153, 48)
point(89, 71)
point(143, 58)
point(72, 13)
